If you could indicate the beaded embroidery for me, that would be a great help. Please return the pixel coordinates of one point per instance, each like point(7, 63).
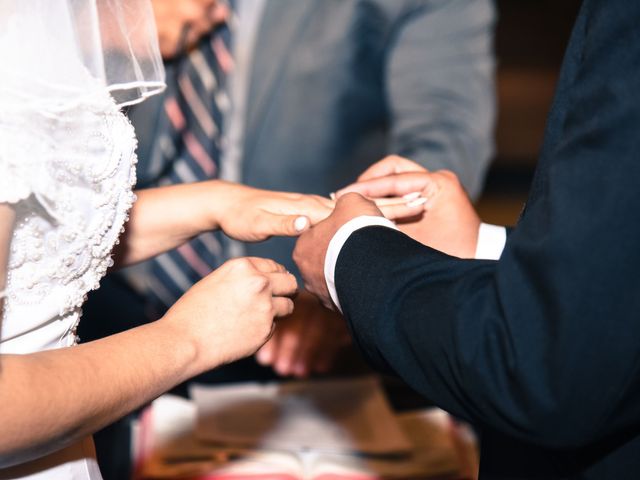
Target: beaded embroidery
point(71, 208)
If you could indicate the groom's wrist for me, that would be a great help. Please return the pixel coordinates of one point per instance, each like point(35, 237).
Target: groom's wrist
point(338, 241)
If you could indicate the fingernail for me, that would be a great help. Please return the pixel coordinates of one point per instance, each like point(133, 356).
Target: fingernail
point(412, 196)
point(301, 223)
point(332, 195)
point(417, 202)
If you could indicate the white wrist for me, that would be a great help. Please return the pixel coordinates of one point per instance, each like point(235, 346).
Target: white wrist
point(491, 242)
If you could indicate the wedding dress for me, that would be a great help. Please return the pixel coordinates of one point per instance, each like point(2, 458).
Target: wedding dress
point(71, 207)
point(67, 168)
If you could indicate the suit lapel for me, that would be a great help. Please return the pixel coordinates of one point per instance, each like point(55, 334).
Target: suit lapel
point(282, 23)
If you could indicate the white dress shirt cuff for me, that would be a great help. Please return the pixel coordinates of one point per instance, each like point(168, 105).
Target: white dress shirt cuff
point(491, 241)
point(337, 242)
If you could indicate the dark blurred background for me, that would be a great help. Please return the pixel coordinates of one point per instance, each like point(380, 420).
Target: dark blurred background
point(530, 42)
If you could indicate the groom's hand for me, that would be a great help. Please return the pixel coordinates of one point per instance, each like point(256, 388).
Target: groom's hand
point(449, 222)
point(306, 342)
point(312, 245)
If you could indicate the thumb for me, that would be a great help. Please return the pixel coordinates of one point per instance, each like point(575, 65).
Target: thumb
point(274, 224)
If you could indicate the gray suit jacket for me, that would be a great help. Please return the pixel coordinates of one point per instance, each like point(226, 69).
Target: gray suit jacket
point(338, 84)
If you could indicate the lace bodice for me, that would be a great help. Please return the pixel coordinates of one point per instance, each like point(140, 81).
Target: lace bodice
point(71, 190)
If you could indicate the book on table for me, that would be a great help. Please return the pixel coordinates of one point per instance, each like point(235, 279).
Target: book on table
point(321, 430)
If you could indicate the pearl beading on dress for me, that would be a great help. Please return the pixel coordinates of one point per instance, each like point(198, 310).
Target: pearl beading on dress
point(70, 210)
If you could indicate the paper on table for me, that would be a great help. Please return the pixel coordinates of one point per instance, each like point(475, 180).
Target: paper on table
point(341, 416)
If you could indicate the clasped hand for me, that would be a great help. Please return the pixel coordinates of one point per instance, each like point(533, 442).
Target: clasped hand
point(446, 219)
point(310, 339)
point(431, 207)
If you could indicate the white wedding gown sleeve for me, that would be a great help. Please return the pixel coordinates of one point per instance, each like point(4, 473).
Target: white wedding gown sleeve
point(71, 196)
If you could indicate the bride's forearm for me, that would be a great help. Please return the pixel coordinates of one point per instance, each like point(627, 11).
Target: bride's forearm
point(70, 393)
point(164, 218)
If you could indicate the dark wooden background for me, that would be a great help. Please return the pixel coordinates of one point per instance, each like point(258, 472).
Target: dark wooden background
point(530, 41)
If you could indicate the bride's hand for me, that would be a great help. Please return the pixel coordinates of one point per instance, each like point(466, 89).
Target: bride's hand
point(252, 215)
point(229, 314)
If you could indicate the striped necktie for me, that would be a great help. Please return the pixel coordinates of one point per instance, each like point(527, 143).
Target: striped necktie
point(188, 140)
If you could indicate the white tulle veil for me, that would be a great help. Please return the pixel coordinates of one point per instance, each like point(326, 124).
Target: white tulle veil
point(56, 52)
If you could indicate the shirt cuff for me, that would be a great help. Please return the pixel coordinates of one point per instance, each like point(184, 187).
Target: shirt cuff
point(491, 241)
point(337, 242)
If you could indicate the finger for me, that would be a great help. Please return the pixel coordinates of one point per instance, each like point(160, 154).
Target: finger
point(266, 355)
point(396, 185)
point(314, 207)
point(283, 284)
point(318, 208)
point(404, 210)
point(273, 224)
point(389, 166)
point(287, 352)
point(266, 265)
point(282, 306)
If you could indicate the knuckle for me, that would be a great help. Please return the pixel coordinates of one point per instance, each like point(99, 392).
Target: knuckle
point(257, 284)
point(245, 264)
point(296, 197)
point(449, 175)
point(349, 197)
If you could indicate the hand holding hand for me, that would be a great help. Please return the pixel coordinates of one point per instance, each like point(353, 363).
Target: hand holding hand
point(307, 341)
point(229, 314)
point(311, 247)
point(448, 223)
point(181, 23)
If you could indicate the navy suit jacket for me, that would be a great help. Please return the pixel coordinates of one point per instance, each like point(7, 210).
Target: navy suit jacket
point(541, 349)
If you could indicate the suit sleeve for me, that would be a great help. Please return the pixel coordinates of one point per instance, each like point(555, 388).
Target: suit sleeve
point(440, 87)
point(544, 344)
